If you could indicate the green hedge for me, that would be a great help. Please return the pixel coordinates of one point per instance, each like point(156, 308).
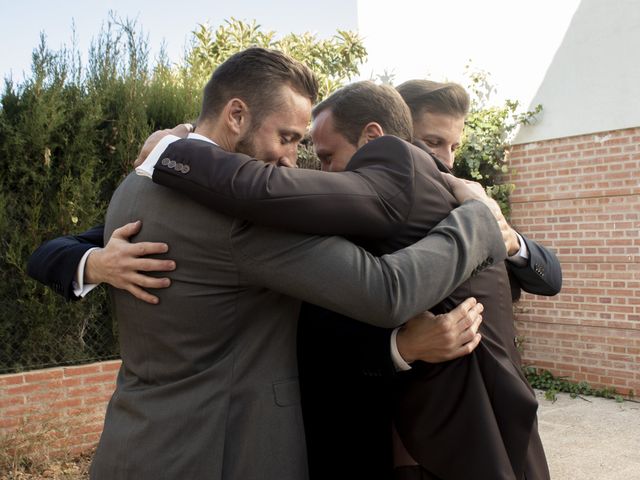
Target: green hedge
point(69, 134)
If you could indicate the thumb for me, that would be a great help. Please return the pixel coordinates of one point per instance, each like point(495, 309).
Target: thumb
point(127, 230)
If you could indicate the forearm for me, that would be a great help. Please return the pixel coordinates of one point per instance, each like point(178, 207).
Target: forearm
point(541, 274)
point(54, 263)
point(385, 291)
point(345, 203)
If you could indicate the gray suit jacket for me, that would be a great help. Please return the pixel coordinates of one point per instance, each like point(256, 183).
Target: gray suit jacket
point(208, 386)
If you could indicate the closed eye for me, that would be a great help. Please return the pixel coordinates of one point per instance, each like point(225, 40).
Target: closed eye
point(288, 138)
point(431, 142)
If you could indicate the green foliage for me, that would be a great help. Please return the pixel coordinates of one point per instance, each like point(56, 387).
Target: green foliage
point(68, 136)
point(482, 156)
point(544, 380)
point(334, 60)
point(50, 185)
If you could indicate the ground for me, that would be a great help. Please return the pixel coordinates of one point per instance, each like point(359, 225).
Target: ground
point(587, 438)
point(76, 468)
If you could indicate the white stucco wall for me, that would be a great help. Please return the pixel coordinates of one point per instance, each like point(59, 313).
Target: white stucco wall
point(513, 40)
point(593, 82)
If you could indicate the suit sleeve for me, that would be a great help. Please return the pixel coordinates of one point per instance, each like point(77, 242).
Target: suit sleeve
point(372, 199)
point(54, 263)
point(386, 291)
point(542, 275)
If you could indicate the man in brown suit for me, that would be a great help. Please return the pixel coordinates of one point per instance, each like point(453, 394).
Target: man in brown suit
point(480, 402)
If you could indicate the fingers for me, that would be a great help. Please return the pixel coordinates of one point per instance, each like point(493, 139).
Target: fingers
point(142, 295)
point(127, 230)
point(182, 130)
point(145, 281)
point(152, 265)
point(151, 142)
point(471, 321)
point(469, 347)
point(460, 312)
point(142, 249)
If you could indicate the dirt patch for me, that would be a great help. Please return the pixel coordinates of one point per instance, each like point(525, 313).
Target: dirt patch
point(76, 468)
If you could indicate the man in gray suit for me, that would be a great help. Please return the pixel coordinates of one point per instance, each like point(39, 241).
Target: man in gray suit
point(208, 386)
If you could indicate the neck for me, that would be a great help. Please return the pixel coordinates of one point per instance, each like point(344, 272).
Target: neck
point(216, 133)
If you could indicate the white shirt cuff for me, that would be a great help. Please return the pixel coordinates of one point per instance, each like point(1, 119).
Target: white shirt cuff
point(80, 289)
point(146, 169)
point(398, 362)
point(520, 258)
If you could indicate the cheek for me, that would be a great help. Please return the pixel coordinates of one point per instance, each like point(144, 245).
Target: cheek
point(268, 151)
point(340, 164)
point(441, 151)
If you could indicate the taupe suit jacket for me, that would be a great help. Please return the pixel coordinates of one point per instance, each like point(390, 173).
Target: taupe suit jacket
point(208, 386)
point(481, 402)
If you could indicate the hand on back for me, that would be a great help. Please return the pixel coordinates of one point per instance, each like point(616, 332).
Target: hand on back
point(121, 264)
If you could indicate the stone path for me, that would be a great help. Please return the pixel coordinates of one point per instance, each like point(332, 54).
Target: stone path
point(591, 439)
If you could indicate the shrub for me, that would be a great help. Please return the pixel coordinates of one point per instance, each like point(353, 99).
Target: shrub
point(68, 136)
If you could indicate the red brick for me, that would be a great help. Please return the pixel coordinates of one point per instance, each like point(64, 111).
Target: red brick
point(98, 400)
point(83, 391)
point(43, 375)
point(12, 401)
point(11, 379)
point(66, 403)
point(7, 423)
point(101, 378)
point(25, 389)
point(112, 366)
point(20, 410)
point(81, 411)
point(84, 370)
point(69, 382)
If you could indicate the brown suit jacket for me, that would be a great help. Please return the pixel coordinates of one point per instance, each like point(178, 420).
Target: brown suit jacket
point(480, 403)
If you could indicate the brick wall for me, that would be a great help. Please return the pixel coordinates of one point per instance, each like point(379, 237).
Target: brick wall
point(65, 403)
point(579, 196)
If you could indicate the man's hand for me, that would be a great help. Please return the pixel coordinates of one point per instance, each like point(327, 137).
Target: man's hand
point(438, 338)
point(465, 190)
point(181, 131)
point(119, 264)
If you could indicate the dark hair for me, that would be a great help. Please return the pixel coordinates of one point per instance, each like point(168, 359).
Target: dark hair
point(254, 75)
point(434, 97)
point(359, 103)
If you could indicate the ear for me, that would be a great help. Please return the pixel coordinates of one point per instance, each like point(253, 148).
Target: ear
point(371, 131)
point(236, 115)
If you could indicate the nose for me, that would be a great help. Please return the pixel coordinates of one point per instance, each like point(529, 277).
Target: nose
point(446, 156)
point(291, 150)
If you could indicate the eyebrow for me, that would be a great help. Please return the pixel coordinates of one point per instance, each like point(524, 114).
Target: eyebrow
point(431, 135)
